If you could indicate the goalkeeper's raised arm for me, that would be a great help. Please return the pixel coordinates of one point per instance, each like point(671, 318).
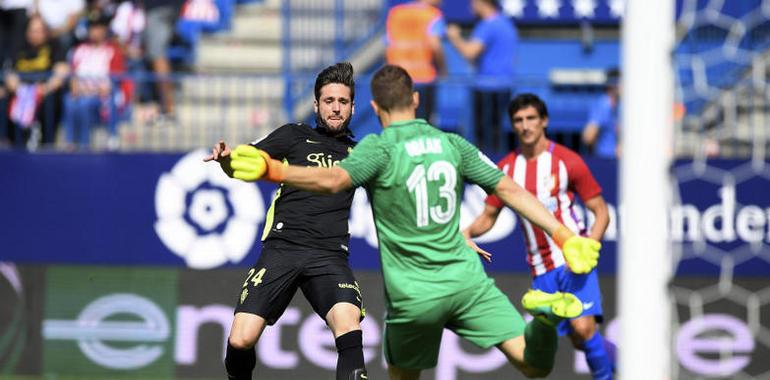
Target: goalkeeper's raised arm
point(582, 254)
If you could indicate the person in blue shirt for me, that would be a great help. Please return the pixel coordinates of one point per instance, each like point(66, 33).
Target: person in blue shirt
point(601, 131)
point(492, 47)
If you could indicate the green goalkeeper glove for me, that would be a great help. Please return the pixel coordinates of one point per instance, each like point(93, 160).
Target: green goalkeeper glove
point(582, 254)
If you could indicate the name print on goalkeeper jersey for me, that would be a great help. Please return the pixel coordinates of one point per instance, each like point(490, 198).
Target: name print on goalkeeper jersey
point(297, 217)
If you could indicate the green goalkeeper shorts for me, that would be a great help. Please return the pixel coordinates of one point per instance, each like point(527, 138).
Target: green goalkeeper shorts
point(481, 314)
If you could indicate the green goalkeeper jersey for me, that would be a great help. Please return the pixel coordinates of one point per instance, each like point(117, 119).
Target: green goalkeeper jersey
point(414, 175)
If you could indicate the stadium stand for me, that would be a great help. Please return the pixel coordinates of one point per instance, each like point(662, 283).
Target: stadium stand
point(249, 62)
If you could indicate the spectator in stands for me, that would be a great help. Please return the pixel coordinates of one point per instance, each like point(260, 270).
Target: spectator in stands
point(104, 8)
point(128, 27)
point(161, 19)
point(61, 18)
point(36, 78)
point(96, 65)
point(602, 129)
point(13, 20)
point(414, 32)
point(492, 47)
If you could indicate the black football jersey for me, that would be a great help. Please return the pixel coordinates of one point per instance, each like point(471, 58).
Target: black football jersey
point(303, 218)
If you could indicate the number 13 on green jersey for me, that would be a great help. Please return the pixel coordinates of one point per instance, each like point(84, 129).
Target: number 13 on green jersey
point(415, 175)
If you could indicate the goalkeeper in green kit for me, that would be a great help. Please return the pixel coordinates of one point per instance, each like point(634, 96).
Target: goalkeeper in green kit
point(415, 175)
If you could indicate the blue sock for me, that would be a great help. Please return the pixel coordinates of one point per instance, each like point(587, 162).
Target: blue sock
point(599, 361)
point(612, 352)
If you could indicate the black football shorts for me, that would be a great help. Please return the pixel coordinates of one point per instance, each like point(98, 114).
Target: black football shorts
point(325, 278)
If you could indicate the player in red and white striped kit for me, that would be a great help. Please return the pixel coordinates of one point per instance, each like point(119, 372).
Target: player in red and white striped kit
point(555, 175)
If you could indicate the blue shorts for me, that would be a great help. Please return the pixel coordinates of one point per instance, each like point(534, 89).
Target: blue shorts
point(584, 286)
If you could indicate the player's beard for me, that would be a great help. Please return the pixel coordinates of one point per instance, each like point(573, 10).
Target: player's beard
point(342, 130)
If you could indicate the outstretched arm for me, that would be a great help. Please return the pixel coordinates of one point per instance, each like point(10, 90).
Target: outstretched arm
point(581, 254)
point(520, 201)
point(469, 49)
point(251, 164)
point(526, 205)
point(276, 144)
point(599, 208)
point(483, 222)
point(320, 180)
point(480, 226)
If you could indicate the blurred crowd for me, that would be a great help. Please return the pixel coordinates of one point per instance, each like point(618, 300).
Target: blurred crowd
point(415, 33)
point(78, 64)
point(70, 63)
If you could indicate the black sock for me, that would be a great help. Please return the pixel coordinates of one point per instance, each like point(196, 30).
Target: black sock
point(351, 354)
point(240, 363)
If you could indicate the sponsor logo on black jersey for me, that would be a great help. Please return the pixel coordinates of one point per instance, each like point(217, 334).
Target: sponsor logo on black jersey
point(322, 160)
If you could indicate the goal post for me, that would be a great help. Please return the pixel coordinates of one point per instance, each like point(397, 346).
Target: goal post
point(646, 132)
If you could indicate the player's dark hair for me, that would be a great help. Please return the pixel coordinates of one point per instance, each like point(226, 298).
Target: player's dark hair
point(392, 88)
point(525, 100)
point(341, 73)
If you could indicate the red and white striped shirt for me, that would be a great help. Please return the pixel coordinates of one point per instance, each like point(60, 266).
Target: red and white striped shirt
point(553, 177)
point(94, 64)
point(97, 60)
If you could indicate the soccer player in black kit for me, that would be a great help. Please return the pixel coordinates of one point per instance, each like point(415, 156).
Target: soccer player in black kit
point(305, 243)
